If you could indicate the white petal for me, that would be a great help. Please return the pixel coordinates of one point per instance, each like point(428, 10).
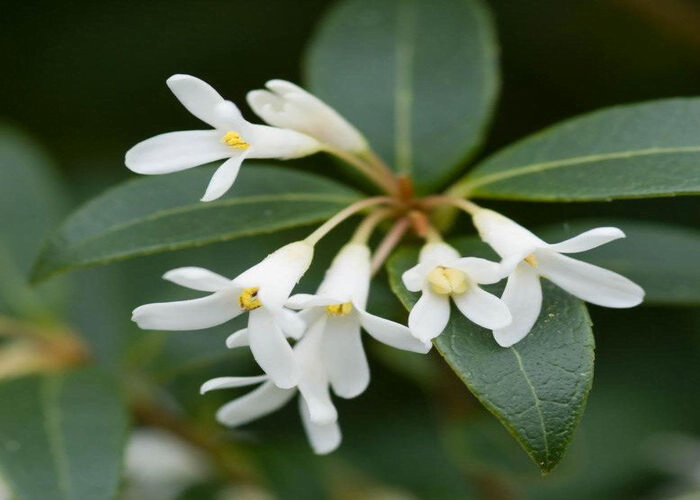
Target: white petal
point(196, 314)
point(414, 278)
point(313, 382)
point(505, 236)
point(197, 278)
point(480, 270)
point(230, 382)
point(437, 254)
point(273, 142)
point(271, 349)
point(323, 438)
point(588, 282)
point(523, 296)
point(588, 240)
point(307, 300)
point(205, 103)
point(260, 402)
point(393, 334)
point(238, 339)
point(349, 275)
point(482, 308)
point(429, 316)
point(176, 151)
point(344, 356)
point(223, 178)
point(291, 322)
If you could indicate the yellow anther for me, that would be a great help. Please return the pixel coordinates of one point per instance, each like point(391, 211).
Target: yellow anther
point(339, 309)
point(445, 280)
point(531, 259)
point(234, 139)
point(248, 299)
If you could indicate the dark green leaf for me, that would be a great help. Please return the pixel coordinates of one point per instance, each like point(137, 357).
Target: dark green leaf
point(636, 151)
point(160, 214)
point(62, 437)
point(419, 79)
point(537, 388)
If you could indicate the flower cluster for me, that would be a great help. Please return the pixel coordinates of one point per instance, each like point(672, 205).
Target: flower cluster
point(311, 344)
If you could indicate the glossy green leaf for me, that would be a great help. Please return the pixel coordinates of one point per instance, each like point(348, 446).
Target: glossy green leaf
point(537, 388)
point(419, 79)
point(62, 437)
point(635, 151)
point(163, 213)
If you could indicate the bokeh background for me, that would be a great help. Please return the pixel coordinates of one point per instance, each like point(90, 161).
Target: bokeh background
point(85, 80)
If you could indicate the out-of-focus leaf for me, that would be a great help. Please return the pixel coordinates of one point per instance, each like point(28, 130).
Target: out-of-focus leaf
point(636, 151)
point(161, 214)
point(418, 78)
point(32, 201)
point(62, 437)
point(537, 388)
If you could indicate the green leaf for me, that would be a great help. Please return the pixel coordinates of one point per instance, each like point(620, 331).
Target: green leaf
point(635, 151)
point(161, 214)
point(32, 201)
point(62, 437)
point(537, 388)
point(661, 258)
point(419, 79)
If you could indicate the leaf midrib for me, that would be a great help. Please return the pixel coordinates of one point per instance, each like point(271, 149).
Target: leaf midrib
point(50, 389)
point(470, 185)
point(403, 89)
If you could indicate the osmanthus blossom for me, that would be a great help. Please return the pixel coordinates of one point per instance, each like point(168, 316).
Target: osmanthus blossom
point(442, 274)
point(232, 138)
point(284, 104)
point(535, 258)
point(262, 291)
point(330, 353)
point(318, 414)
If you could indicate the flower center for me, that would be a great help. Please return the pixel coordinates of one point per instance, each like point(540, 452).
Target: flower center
point(339, 309)
point(248, 299)
point(234, 139)
point(446, 280)
point(531, 259)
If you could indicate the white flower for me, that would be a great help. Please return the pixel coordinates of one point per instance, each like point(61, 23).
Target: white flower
point(441, 274)
point(536, 258)
point(262, 290)
point(232, 137)
point(318, 414)
point(338, 311)
point(289, 106)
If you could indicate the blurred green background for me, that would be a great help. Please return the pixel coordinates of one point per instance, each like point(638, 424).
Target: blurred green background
point(86, 80)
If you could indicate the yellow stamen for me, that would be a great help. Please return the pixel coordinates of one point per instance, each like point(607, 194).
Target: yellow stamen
point(445, 280)
point(339, 309)
point(531, 259)
point(248, 299)
point(234, 139)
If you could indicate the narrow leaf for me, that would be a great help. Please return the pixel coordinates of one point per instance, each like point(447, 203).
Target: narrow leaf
point(419, 79)
point(160, 214)
point(62, 437)
point(635, 151)
point(537, 388)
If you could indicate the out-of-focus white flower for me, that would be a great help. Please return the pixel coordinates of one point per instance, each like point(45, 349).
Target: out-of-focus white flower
point(338, 310)
point(262, 290)
point(318, 414)
point(289, 106)
point(159, 466)
point(233, 138)
point(536, 258)
point(442, 274)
